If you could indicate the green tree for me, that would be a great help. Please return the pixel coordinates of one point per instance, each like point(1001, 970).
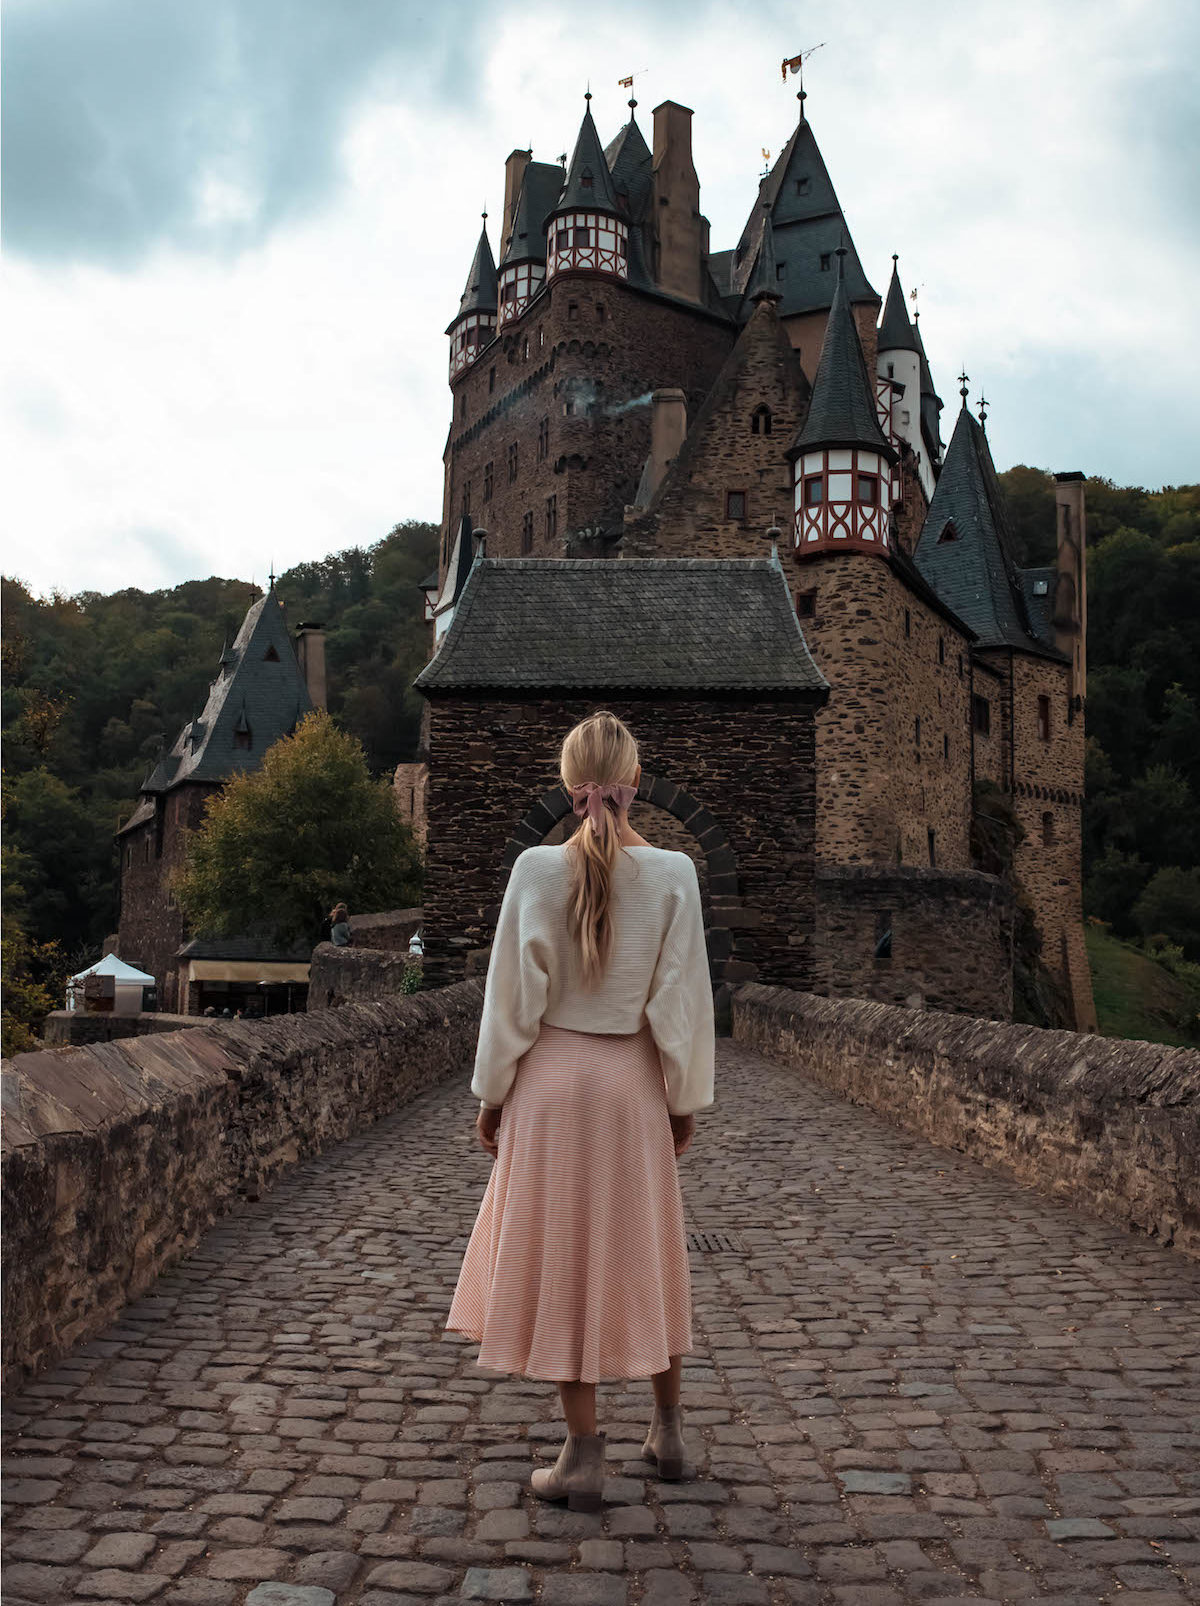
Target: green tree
point(1115, 881)
point(283, 843)
point(1170, 906)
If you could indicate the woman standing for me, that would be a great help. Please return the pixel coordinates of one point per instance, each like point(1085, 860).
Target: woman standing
point(595, 1049)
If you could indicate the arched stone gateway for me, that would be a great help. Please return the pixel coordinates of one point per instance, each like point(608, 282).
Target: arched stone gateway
point(724, 910)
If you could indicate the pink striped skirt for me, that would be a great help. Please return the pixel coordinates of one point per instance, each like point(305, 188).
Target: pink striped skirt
point(577, 1265)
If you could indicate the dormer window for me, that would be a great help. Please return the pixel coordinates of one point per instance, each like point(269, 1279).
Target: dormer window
point(826, 261)
point(585, 179)
point(949, 532)
point(781, 270)
point(271, 656)
point(1041, 588)
point(804, 185)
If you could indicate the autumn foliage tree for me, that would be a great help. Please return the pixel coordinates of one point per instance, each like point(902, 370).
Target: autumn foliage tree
point(280, 845)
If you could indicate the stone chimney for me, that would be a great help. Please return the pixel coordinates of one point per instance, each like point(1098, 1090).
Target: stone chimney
point(310, 654)
point(1070, 589)
point(668, 427)
point(514, 172)
point(682, 233)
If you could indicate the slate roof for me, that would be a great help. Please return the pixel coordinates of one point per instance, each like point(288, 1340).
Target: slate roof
point(632, 167)
point(540, 186)
point(762, 281)
point(842, 411)
point(588, 163)
point(259, 687)
point(681, 625)
point(481, 293)
point(459, 567)
point(808, 223)
point(264, 948)
point(974, 574)
point(931, 402)
point(895, 330)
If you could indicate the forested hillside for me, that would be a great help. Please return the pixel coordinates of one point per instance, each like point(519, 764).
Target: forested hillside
point(94, 685)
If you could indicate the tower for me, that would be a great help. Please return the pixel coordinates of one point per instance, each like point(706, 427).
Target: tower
point(898, 367)
point(842, 459)
point(474, 325)
point(523, 259)
point(586, 229)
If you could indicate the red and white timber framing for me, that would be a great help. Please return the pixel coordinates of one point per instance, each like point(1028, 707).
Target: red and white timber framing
point(839, 499)
point(594, 240)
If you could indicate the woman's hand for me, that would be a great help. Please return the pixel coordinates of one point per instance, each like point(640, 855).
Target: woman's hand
point(682, 1127)
point(487, 1124)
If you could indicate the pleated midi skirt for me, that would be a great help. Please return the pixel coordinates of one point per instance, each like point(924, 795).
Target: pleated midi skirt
point(577, 1266)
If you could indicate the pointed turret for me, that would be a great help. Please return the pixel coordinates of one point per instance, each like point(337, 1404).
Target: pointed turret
point(474, 325)
point(763, 281)
point(808, 226)
point(842, 457)
point(523, 259)
point(587, 229)
point(965, 547)
point(931, 402)
point(898, 368)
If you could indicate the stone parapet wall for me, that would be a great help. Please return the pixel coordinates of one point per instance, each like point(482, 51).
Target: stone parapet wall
point(66, 1026)
point(1108, 1126)
point(117, 1156)
point(392, 929)
point(355, 975)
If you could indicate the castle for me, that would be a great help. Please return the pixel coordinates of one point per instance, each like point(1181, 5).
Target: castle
point(622, 395)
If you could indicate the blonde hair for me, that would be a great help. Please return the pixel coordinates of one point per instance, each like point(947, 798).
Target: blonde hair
point(600, 748)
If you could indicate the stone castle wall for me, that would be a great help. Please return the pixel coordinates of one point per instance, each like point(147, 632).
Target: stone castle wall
point(1108, 1126)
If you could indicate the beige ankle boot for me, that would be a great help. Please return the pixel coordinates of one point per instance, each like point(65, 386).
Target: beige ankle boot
point(578, 1473)
point(664, 1441)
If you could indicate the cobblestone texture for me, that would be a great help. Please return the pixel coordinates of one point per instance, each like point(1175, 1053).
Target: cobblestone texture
point(920, 1382)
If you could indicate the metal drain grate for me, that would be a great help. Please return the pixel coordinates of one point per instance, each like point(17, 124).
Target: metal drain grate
point(715, 1243)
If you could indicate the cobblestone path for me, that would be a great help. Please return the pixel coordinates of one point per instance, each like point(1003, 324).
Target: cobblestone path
point(915, 1381)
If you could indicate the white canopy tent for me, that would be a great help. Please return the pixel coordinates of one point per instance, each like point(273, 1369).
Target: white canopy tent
point(128, 983)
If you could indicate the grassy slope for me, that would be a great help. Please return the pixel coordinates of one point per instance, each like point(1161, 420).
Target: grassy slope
point(1135, 996)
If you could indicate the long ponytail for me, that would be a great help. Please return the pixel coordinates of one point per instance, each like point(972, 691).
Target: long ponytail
point(600, 748)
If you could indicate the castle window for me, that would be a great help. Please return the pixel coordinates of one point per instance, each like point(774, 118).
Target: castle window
point(509, 292)
point(543, 449)
point(891, 370)
point(622, 246)
point(242, 740)
point(826, 259)
point(883, 934)
point(760, 420)
point(551, 517)
point(946, 748)
point(488, 481)
point(735, 505)
point(526, 535)
point(868, 489)
point(491, 380)
point(1048, 829)
point(907, 622)
point(572, 309)
point(146, 847)
point(462, 405)
point(814, 490)
point(941, 649)
point(1044, 718)
point(601, 311)
point(466, 500)
point(803, 185)
point(931, 836)
point(917, 731)
point(271, 656)
point(128, 855)
point(806, 604)
point(781, 270)
point(948, 533)
point(1041, 588)
point(512, 462)
point(525, 349)
point(585, 180)
point(981, 714)
point(541, 337)
point(960, 666)
point(582, 235)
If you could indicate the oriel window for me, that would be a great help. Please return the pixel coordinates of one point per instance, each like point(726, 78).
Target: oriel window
point(814, 490)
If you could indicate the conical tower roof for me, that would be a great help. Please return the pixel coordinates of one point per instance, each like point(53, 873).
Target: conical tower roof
point(808, 225)
point(588, 185)
point(762, 282)
point(896, 332)
point(842, 411)
point(481, 292)
point(540, 186)
point(965, 547)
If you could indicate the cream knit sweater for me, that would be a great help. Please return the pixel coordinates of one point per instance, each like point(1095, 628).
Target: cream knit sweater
point(657, 972)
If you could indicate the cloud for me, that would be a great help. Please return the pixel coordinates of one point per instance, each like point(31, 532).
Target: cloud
point(202, 124)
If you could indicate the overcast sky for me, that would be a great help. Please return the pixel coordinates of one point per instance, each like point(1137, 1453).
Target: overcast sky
point(234, 231)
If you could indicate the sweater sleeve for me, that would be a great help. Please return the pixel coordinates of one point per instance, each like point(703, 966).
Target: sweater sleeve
point(680, 1004)
point(515, 991)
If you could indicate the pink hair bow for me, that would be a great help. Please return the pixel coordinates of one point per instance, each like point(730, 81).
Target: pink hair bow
point(591, 797)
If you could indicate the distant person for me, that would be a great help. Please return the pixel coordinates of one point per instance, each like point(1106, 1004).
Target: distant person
point(211, 1010)
point(339, 930)
point(595, 1051)
point(227, 1013)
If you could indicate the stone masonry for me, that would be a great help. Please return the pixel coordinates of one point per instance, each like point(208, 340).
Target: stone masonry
point(912, 1380)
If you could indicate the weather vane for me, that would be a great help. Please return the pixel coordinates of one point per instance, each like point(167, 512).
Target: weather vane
point(962, 385)
point(627, 83)
point(795, 64)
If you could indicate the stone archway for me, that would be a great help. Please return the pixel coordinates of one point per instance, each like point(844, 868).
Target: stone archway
point(724, 911)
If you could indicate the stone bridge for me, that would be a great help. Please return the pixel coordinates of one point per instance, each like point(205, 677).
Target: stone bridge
point(917, 1375)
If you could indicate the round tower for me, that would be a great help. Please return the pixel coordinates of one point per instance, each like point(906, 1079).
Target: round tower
point(586, 230)
point(474, 325)
point(842, 459)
